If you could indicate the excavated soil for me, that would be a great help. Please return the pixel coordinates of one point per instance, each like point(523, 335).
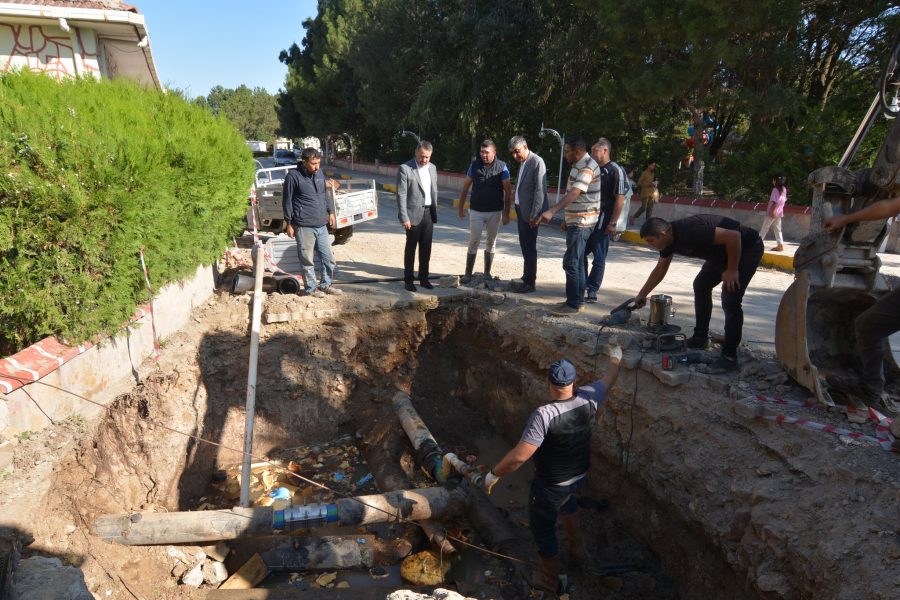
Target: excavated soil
point(687, 497)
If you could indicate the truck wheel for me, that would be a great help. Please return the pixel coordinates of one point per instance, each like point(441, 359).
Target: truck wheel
point(342, 235)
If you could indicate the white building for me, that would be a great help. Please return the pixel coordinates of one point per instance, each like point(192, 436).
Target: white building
point(76, 38)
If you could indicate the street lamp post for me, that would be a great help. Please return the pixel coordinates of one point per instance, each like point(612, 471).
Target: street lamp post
point(410, 133)
point(560, 139)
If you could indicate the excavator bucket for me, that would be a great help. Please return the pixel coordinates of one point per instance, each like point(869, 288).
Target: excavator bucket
point(838, 273)
point(791, 339)
point(815, 340)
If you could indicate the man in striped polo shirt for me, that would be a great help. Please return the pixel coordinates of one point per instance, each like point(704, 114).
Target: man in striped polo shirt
point(558, 436)
point(582, 211)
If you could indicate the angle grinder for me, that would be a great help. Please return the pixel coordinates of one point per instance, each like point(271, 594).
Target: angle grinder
point(620, 314)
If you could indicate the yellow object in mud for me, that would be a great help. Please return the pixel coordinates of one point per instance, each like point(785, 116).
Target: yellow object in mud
point(424, 568)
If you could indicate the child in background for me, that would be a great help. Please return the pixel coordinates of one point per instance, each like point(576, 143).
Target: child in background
point(775, 210)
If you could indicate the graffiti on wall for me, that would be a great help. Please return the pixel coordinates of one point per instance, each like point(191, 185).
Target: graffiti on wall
point(48, 49)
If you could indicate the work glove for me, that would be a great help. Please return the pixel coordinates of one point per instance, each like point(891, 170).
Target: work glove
point(615, 352)
point(490, 480)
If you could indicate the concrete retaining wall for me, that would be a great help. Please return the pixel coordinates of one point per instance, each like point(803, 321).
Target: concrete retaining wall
point(99, 371)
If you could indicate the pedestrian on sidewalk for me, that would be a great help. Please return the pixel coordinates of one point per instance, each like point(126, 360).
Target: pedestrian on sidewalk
point(488, 179)
point(775, 211)
point(582, 212)
point(648, 187)
point(417, 210)
point(530, 198)
point(612, 202)
point(309, 212)
point(732, 253)
point(558, 436)
point(878, 322)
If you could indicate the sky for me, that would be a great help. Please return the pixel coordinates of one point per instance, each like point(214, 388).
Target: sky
point(199, 44)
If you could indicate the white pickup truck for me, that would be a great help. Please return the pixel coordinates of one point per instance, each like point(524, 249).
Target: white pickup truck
point(355, 202)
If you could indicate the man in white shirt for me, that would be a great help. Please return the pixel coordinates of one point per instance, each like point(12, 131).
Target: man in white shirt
point(417, 207)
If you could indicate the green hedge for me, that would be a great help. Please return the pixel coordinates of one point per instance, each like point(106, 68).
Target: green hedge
point(91, 171)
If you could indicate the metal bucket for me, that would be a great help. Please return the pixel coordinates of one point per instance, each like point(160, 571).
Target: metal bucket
point(660, 310)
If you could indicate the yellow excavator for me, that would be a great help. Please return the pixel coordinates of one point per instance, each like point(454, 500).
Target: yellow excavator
point(838, 275)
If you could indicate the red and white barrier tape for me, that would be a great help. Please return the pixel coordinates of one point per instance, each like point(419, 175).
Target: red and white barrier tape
point(882, 437)
point(152, 315)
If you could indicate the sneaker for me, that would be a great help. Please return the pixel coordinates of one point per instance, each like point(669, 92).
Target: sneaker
point(697, 343)
point(591, 297)
point(332, 291)
point(564, 310)
point(723, 364)
point(316, 293)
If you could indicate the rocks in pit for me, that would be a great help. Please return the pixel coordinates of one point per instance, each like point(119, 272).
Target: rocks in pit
point(437, 594)
point(195, 566)
point(48, 578)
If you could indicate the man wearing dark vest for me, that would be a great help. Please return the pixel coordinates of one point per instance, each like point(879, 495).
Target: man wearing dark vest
point(491, 197)
point(558, 435)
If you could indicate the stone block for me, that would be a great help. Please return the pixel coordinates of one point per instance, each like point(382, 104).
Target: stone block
point(450, 281)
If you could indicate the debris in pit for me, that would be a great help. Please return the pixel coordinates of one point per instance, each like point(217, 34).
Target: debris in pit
point(338, 464)
point(424, 568)
point(326, 579)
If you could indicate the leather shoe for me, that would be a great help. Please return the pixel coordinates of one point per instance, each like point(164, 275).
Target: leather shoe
point(410, 287)
point(426, 284)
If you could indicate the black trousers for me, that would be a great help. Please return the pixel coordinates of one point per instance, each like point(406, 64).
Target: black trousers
point(418, 235)
point(710, 276)
point(873, 327)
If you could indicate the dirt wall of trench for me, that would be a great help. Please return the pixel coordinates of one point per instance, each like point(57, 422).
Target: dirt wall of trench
point(733, 508)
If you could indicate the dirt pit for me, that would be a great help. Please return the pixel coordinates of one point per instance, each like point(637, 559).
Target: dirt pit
point(688, 497)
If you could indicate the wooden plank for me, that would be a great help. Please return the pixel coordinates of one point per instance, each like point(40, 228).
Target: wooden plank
point(252, 573)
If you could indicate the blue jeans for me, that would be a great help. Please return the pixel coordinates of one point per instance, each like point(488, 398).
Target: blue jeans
point(546, 503)
point(598, 245)
point(528, 243)
point(574, 264)
point(312, 243)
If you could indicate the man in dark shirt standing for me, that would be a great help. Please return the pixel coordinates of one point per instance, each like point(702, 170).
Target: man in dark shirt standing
point(732, 253)
point(612, 201)
point(558, 435)
point(308, 211)
point(488, 178)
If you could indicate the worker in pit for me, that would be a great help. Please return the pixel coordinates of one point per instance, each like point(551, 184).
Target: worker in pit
point(558, 435)
point(732, 253)
point(879, 321)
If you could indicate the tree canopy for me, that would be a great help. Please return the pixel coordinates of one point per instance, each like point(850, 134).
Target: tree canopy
point(253, 112)
point(738, 90)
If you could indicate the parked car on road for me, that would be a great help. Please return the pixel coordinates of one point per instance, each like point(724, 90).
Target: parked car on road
point(355, 202)
point(284, 158)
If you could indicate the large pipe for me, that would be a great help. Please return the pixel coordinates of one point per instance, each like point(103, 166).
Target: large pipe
point(301, 553)
point(251, 379)
point(142, 529)
point(428, 453)
point(493, 526)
